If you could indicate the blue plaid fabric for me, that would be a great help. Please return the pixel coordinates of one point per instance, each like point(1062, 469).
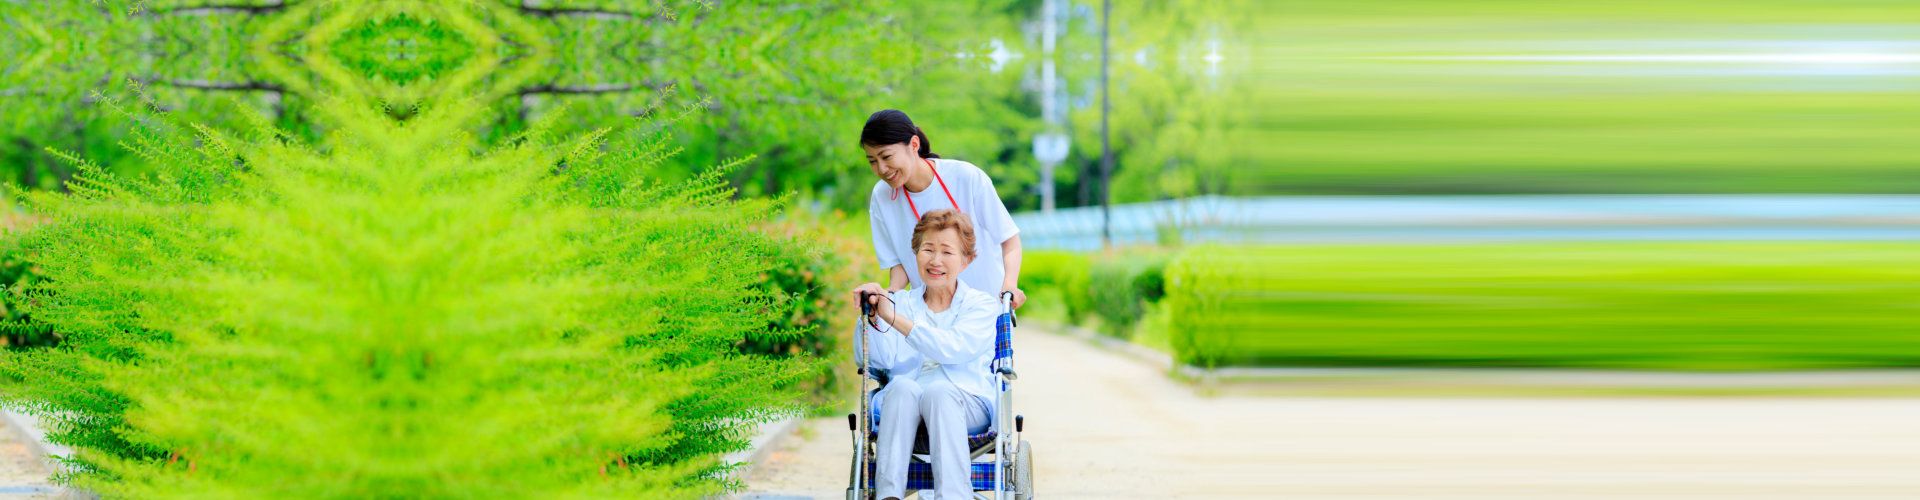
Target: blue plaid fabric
point(1003, 342)
point(920, 476)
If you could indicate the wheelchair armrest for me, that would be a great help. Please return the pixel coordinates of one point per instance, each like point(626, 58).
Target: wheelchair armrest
point(880, 375)
point(1008, 373)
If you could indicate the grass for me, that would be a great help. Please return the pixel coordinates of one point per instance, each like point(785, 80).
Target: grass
point(1679, 306)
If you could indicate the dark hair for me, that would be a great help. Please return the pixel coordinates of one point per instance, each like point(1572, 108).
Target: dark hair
point(890, 126)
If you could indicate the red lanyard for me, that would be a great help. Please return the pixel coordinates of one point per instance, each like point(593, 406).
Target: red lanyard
point(943, 189)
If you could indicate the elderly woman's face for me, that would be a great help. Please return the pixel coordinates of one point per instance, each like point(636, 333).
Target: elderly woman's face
point(941, 258)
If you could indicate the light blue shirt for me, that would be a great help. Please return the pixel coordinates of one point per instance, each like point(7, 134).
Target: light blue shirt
point(961, 348)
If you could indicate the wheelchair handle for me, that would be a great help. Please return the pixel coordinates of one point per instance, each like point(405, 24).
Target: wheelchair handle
point(1006, 299)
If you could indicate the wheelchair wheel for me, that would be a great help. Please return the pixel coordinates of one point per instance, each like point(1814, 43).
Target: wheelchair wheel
point(1023, 473)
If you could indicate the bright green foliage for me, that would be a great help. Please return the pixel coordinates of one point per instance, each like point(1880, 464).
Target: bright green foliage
point(381, 305)
point(814, 313)
point(790, 83)
point(807, 282)
point(401, 50)
point(19, 330)
point(395, 312)
point(62, 52)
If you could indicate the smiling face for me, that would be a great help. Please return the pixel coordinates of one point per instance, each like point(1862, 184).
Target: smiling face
point(893, 162)
point(942, 255)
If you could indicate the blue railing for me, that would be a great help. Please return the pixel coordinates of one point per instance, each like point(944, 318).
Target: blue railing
point(1306, 219)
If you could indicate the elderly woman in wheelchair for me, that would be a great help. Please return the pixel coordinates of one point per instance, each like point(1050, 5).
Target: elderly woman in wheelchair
point(933, 347)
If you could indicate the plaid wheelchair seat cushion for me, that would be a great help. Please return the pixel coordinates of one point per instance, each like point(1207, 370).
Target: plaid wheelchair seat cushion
point(920, 476)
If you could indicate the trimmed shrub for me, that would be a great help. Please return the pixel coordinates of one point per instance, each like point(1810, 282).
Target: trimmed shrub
point(1119, 287)
point(1056, 276)
point(1587, 304)
point(1213, 298)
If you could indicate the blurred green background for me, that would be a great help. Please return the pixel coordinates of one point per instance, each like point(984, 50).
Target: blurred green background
point(790, 83)
point(1500, 96)
point(1238, 99)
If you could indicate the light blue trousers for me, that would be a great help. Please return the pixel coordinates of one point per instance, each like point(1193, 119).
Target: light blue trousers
point(951, 414)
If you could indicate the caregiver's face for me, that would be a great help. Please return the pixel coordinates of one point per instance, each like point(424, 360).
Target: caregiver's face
point(941, 258)
point(892, 162)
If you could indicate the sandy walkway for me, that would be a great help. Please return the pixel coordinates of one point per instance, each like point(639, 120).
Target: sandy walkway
point(1104, 426)
point(22, 474)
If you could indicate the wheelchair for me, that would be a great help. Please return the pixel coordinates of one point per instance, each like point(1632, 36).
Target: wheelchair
point(1008, 475)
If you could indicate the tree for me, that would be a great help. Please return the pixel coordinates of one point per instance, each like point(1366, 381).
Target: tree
point(1181, 124)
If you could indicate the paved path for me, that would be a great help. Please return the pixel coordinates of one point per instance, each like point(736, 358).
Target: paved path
point(22, 474)
point(1105, 426)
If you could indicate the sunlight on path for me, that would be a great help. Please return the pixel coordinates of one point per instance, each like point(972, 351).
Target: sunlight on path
point(22, 474)
point(1104, 426)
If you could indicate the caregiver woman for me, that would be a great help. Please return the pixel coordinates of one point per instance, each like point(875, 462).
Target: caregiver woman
point(936, 340)
point(914, 181)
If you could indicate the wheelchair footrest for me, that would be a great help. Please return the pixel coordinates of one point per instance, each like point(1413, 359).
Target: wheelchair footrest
point(920, 475)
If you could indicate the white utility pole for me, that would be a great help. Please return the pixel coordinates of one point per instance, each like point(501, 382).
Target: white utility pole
point(1050, 148)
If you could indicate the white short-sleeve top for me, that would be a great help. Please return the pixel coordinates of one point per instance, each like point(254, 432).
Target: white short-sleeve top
point(893, 218)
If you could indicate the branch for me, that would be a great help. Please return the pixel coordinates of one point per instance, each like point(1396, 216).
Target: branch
point(600, 88)
point(206, 85)
point(527, 7)
point(201, 10)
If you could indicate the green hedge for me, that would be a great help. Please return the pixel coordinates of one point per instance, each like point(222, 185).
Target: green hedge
point(1684, 306)
point(1215, 297)
point(1617, 305)
point(1114, 288)
point(1119, 287)
point(1055, 282)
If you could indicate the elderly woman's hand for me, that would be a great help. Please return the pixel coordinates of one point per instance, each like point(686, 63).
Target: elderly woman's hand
point(883, 307)
point(878, 298)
